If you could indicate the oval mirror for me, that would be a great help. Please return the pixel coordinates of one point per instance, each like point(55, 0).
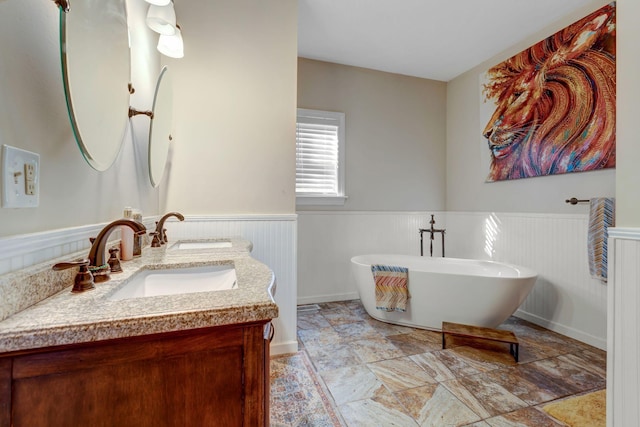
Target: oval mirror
point(160, 127)
point(96, 63)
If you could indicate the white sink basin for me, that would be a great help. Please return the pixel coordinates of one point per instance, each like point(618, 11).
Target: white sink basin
point(214, 244)
point(174, 281)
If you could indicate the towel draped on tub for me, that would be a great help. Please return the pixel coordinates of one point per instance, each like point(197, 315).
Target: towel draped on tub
point(392, 291)
point(601, 217)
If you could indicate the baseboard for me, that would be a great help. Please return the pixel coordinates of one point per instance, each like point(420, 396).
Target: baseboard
point(597, 342)
point(284, 348)
point(316, 299)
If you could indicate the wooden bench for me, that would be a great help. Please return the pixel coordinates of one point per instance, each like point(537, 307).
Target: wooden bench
point(478, 332)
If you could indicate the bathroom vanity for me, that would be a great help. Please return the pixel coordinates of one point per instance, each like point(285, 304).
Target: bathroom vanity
point(187, 359)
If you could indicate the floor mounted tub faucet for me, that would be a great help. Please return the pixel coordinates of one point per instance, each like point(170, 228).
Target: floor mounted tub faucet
point(432, 231)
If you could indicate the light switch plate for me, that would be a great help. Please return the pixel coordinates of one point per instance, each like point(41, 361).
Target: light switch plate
point(20, 178)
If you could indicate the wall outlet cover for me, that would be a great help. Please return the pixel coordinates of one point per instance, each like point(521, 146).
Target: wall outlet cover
point(20, 178)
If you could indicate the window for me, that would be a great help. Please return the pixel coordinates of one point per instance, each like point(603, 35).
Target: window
point(319, 158)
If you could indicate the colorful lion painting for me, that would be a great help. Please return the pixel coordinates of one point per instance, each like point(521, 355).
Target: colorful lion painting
point(555, 103)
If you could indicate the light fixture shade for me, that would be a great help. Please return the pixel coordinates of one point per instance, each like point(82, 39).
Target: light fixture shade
point(162, 19)
point(159, 2)
point(171, 46)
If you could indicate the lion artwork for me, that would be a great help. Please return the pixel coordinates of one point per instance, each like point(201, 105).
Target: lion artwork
point(555, 103)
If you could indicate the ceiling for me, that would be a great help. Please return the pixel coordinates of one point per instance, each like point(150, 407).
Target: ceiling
point(424, 38)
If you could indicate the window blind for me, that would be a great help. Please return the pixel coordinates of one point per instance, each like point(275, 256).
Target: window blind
point(317, 156)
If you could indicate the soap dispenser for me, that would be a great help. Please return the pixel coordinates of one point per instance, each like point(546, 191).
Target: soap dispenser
point(126, 237)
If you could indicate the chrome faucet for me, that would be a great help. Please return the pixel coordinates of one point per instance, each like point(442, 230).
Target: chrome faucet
point(95, 268)
point(160, 235)
point(431, 231)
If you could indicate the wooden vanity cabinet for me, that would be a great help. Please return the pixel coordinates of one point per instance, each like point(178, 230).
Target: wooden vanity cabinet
point(216, 376)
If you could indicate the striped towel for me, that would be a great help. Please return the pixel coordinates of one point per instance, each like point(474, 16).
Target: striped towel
point(392, 291)
point(601, 217)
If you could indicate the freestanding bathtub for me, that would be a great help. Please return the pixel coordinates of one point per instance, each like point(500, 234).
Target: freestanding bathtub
point(473, 292)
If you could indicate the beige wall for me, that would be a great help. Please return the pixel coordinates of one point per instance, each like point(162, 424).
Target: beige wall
point(235, 97)
point(33, 117)
point(466, 149)
point(395, 134)
point(628, 137)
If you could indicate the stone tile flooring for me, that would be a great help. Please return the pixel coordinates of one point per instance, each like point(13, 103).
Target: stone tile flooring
point(386, 375)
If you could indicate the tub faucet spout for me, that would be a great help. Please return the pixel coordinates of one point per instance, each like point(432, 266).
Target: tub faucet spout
point(432, 231)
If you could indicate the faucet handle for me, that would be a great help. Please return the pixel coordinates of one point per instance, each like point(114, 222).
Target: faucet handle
point(113, 261)
point(84, 278)
point(155, 243)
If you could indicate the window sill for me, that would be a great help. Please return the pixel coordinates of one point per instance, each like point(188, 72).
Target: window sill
point(320, 200)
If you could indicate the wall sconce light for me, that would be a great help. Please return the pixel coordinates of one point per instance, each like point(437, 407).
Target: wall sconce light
point(172, 45)
point(159, 2)
point(162, 20)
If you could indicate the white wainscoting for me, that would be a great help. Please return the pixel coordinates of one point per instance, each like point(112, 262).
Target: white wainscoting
point(274, 243)
point(623, 351)
point(565, 299)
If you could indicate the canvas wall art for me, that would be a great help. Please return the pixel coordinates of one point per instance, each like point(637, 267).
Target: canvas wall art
point(550, 109)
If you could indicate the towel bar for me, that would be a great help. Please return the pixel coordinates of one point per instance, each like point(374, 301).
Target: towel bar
point(575, 201)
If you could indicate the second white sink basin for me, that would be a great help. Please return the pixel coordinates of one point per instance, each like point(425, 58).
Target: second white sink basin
point(174, 281)
point(213, 244)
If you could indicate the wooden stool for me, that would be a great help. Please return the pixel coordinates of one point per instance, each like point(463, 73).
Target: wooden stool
point(478, 332)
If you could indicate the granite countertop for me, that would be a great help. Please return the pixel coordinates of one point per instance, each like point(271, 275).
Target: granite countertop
point(70, 318)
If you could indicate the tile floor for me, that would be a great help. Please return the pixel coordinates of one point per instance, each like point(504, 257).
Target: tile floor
point(385, 375)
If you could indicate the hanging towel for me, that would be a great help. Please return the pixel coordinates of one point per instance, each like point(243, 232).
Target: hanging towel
point(601, 217)
point(392, 291)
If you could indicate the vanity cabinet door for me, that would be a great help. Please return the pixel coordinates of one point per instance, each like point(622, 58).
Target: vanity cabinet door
point(256, 408)
point(203, 377)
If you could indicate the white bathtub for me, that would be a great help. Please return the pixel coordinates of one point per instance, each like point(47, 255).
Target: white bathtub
point(473, 292)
